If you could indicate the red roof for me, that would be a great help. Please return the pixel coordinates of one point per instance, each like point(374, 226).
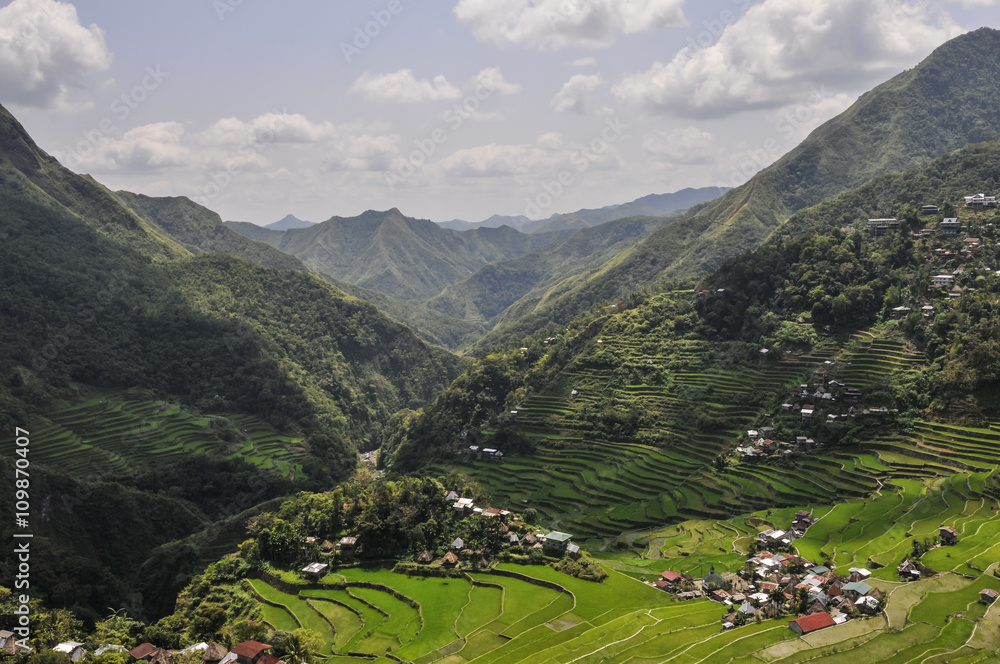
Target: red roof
point(948, 529)
point(143, 650)
point(814, 622)
point(250, 648)
point(989, 592)
point(671, 576)
point(661, 584)
point(269, 659)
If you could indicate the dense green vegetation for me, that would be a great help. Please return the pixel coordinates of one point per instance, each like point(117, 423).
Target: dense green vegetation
point(201, 230)
point(98, 303)
point(410, 259)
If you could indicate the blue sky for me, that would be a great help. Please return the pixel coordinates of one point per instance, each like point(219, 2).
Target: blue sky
point(454, 109)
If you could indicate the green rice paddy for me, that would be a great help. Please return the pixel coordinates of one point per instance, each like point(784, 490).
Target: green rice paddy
point(114, 434)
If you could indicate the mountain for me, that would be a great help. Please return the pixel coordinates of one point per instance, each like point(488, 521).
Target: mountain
point(940, 105)
point(288, 223)
point(519, 222)
point(409, 259)
point(648, 206)
point(200, 230)
point(148, 368)
point(501, 289)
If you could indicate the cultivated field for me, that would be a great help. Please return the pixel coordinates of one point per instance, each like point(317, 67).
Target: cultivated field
point(112, 433)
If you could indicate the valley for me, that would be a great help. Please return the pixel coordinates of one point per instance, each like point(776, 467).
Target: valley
point(753, 425)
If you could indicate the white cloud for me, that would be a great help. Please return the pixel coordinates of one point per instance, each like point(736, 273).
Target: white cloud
point(45, 54)
point(554, 24)
point(781, 50)
point(689, 146)
point(493, 79)
point(583, 62)
point(530, 162)
point(979, 3)
point(149, 147)
point(403, 87)
point(575, 92)
point(266, 143)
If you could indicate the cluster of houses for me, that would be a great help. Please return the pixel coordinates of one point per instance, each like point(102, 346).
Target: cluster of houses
point(247, 652)
point(810, 401)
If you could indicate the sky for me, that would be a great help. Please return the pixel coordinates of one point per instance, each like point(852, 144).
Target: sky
point(447, 109)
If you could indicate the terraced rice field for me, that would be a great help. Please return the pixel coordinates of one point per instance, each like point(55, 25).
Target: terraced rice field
point(871, 358)
point(486, 618)
point(598, 482)
point(111, 434)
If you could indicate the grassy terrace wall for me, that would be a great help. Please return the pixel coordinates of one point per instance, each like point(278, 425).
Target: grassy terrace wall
point(112, 433)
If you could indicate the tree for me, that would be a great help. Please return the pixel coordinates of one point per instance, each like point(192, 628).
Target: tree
point(530, 516)
point(119, 629)
point(297, 647)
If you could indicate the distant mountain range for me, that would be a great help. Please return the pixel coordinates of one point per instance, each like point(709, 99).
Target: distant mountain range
point(451, 286)
point(654, 205)
point(288, 223)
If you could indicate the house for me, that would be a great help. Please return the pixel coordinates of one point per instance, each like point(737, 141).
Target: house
point(72, 648)
point(143, 651)
point(808, 410)
point(529, 541)
point(856, 589)
point(464, 506)
point(449, 560)
point(514, 540)
point(425, 558)
point(254, 652)
point(943, 280)
point(908, 570)
point(988, 595)
point(882, 227)
point(853, 395)
point(811, 623)
point(458, 544)
point(719, 595)
point(715, 580)
point(950, 226)
point(928, 209)
point(213, 654)
point(573, 551)
point(900, 312)
point(980, 201)
point(860, 572)
point(557, 541)
point(346, 546)
point(672, 578)
point(451, 496)
point(971, 242)
point(947, 535)
point(867, 605)
point(315, 570)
